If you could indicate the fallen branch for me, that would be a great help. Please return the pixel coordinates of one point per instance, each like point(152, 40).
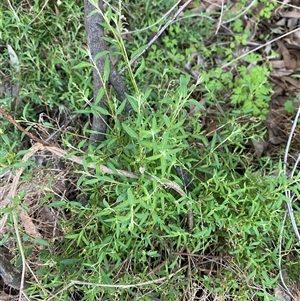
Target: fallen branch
point(18, 126)
point(120, 286)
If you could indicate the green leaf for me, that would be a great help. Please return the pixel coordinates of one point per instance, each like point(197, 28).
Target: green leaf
point(41, 241)
point(71, 236)
point(81, 237)
point(146, 95)
point(23, 164)
point(214, 140)
point(130, 131)
point(100, 55)
point(153, 254)
point(69, 261)
point(83, 65)
point(99, 97)
point(99, 109)
point(269, 281)
point(57, 204)
point(153, 158)
point(6, 210)
point(184, 80)
point(145, 143)
point(106, 70)
point(134, 103)
point(154, 129)
point(5, 139)
point(166, 120)
point(163, 165)
point(289, 107)
point(130, 196)
point(140, 69)
point(138, 51)
point(196, 103)
point(165, 139)
point(91, 181)
point(121, 107)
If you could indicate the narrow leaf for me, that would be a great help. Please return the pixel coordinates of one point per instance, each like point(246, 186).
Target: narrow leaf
point(134, 104)
point(106, 70)
point(121, 107)
point(130, 131)
point(82, 65)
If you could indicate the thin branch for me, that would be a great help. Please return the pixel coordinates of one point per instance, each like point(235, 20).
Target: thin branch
point(221, 17)
point(288, 202)
point(122, 286)
point(288, 145)
point(241, 14)
point(280, 255)
point(42, 9)
point(289, 197)
point(288, 192)
point(17, 125)
point(62, 153)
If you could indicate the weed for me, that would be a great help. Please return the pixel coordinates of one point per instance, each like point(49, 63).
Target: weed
point(253, 91)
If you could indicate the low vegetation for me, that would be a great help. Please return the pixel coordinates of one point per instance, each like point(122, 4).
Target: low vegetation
point(185, 197)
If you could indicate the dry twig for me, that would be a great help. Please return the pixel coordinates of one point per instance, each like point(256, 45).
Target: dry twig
point(17, 125)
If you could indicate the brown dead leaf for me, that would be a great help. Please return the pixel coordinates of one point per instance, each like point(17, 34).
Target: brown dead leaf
point(274, 139)
point(294, 84)
point(57, 13)
point(189, 6)
point(290, 14)
point(28, 225)
point(214, 6)
point(260, 146)
point(289, 61)
point(278, 10)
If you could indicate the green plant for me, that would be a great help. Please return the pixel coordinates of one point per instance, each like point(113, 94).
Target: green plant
point(252, 91)
point(133, 223)
point(267, 8)
point(289, 106)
